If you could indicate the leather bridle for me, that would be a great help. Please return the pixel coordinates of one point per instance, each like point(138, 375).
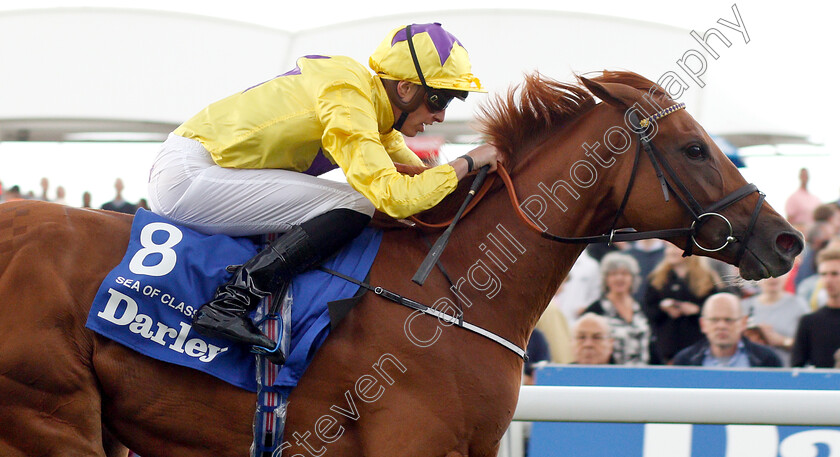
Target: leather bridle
point(671, 184)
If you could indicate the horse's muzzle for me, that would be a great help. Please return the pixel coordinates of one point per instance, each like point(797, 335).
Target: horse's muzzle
point(788, 245)
point(773, 261)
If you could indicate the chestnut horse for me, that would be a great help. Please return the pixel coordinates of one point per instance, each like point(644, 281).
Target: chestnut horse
point(388, 381)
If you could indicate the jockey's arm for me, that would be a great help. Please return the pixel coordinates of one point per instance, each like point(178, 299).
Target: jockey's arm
point(352, 138)
point(485, 154)
point(400, 153)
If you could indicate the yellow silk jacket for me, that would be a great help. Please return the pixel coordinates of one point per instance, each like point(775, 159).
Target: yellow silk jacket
point(326, 103)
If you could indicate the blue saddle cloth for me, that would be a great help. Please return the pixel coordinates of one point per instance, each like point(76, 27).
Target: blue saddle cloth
point(147, 302)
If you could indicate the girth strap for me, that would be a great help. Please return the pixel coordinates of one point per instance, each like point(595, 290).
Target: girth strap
point(454, 320)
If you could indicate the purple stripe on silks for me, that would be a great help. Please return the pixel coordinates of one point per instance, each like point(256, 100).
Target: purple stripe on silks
point(296, 70)
point(442, 39)
point(320, 165)
point(292, 72)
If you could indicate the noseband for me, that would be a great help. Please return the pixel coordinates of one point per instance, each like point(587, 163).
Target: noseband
point(671, 184)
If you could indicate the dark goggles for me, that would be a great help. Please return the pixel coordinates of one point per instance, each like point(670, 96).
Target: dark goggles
point(438, 99)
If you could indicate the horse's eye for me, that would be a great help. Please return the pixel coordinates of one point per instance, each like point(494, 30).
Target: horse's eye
point(695, 152)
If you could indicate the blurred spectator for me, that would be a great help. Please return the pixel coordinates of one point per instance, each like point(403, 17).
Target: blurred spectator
point(809, 287)
point(142, 203)
point(830, 214)
point(801, 204)
point(678, 286)
point(45, 187)
point(118, 204)
point(598, 250)
point(555, 329)
point(13, 193)
point(538, 354)
point(648, 254)
point(773, 315)
point(592, 343)
point(817, 336)
point(790, 282)
point(723, 323)
point(60, 195)
point(86, 200)
point(817, 238)
point(581, 287)
point(628, 324)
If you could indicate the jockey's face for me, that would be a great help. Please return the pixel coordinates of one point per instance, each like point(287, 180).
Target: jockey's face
point(418, 119)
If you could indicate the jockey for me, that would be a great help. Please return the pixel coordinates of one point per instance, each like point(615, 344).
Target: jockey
point(248, 164)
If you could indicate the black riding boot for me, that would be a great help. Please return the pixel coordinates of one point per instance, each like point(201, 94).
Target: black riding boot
point(302, 247)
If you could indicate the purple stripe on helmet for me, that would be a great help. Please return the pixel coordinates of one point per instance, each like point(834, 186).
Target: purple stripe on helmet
point(442, 39)
point(292, 72)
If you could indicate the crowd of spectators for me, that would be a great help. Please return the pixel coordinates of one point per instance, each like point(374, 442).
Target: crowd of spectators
point(13, 192)
point(652, 306)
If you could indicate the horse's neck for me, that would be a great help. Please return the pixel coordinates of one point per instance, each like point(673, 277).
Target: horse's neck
point(528, 267)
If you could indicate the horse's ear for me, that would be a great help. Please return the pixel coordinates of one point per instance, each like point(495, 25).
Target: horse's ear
point(620, 95)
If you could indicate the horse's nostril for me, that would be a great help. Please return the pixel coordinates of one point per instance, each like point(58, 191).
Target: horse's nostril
point(789, 244)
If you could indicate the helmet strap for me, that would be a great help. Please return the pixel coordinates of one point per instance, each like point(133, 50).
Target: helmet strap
point(399, 122)
point(414, 58)
point(405, 107)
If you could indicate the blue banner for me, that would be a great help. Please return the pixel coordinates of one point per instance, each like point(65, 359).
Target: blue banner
point(684, 440)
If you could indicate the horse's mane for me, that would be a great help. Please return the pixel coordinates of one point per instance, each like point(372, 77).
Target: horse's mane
point(529, 112)
point(541, 104)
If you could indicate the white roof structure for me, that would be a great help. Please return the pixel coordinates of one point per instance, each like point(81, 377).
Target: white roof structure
point(99, 73)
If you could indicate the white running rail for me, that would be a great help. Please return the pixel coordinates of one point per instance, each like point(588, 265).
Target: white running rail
point(678, 405)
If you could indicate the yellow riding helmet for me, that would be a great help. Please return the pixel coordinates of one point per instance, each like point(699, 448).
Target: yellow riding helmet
point(442, 60)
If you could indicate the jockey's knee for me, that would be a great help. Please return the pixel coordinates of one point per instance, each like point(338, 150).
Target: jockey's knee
point(362, 205)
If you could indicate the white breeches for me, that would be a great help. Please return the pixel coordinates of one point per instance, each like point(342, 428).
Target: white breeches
point(185, 185)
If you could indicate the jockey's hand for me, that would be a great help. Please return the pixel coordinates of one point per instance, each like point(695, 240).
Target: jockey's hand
point(486, 154)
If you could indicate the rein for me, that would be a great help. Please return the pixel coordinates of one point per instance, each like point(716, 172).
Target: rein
point(482, 191)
